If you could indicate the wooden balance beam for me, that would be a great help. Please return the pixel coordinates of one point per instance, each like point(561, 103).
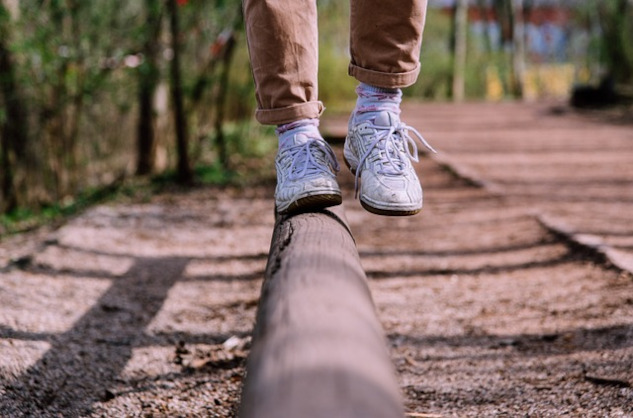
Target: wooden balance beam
point(318, 349)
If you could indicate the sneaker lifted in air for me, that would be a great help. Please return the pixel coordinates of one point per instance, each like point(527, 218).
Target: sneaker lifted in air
point(379, 150)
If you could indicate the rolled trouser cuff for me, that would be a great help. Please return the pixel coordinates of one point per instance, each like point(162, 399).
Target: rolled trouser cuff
point(382, 79)
point(279, 116)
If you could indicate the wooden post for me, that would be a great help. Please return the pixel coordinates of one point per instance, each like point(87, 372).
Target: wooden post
point(184, 173)
point(459, 54)
point(518, 47)
point(318, 348)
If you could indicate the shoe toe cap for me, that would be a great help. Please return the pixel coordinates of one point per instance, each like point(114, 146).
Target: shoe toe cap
point(391, 190)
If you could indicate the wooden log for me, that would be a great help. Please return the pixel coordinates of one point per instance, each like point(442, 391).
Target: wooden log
point(318, 348)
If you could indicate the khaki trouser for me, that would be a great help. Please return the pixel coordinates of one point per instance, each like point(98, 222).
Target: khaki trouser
point(385, 37)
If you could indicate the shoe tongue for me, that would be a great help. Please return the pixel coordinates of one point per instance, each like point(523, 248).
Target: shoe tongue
point(386, 119)
point(298, 137)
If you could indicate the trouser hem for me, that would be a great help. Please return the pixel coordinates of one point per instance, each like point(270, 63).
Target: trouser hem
point(279, 116)
point(382, 79)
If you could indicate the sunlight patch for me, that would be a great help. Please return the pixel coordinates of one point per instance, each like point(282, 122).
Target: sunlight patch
point(17, 356)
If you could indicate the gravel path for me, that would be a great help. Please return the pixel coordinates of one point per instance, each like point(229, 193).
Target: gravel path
point(507, 296)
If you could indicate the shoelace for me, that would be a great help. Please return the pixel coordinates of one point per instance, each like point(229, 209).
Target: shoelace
point(394, 145)
point(311, 162)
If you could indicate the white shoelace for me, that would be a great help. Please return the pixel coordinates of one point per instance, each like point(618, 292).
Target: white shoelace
point(394, 145)
point(306, 161)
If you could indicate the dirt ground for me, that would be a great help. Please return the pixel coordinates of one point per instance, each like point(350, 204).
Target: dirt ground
point(509, 295)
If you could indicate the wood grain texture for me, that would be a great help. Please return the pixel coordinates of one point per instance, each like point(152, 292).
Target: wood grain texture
point(318, 348)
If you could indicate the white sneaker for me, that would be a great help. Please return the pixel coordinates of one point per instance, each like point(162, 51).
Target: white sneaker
point(380, 151)
point(306, 175)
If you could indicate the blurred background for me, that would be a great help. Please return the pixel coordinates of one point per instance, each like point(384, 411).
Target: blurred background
point(96, 94)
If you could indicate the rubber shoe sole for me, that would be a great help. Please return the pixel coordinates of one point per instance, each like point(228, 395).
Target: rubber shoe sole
point(313, 203)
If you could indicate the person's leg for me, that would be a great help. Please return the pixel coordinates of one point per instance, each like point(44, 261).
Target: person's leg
point(385, 39)
point(283, 46)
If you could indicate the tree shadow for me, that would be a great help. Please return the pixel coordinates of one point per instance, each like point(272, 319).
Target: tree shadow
point(82, 362)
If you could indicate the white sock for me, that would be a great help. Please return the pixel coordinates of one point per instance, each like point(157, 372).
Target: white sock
point(373, 99)
point(286, 132)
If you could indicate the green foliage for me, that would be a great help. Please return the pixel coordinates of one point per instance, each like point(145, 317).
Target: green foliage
point(23, 218)
point(609, 26)
point(436, 71)
point(616, 18)
point(79, 65)
point(252, 149)
point(336, 88)
point(213, 173)
point(241, 100)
